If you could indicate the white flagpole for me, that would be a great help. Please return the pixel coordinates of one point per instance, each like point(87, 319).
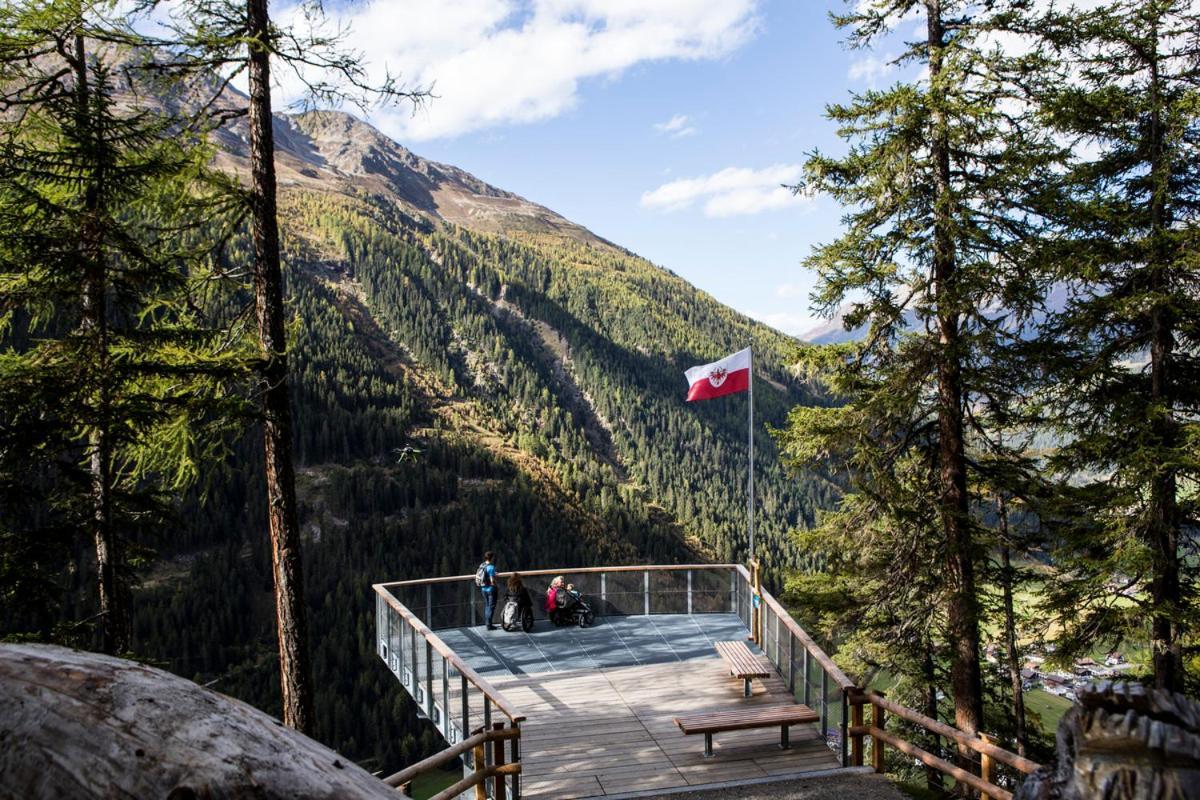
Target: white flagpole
point(750, 479)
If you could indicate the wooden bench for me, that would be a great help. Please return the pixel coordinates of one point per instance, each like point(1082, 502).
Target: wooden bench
point(744, 718)
point(742, 663)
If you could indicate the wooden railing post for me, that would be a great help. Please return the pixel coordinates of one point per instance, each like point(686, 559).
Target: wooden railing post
point(479, 756)
point(498, 761)
point(755, 612)
point(879, 722)
point(856, 720)
point(516, 759)
point(987, 765)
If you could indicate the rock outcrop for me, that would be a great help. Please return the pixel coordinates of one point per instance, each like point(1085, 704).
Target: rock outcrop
point(77, 724)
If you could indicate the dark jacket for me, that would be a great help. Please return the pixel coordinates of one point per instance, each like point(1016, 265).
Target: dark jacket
point(522, 597)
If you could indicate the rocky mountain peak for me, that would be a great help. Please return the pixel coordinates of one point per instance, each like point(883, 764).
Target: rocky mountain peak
point(336, 149)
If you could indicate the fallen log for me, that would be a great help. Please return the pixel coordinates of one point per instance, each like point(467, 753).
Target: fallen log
point(78, 724)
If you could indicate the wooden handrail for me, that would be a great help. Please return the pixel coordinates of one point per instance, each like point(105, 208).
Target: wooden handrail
point(444, 650)
point(1013, 760)
point(474, 779)
point(989, 790)
point(449, 754)
point(565, 571)
point(835, 673)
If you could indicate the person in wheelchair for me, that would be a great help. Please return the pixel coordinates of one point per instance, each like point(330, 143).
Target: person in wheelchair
point(518, 606)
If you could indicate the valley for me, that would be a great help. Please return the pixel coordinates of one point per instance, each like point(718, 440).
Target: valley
point(472, 372)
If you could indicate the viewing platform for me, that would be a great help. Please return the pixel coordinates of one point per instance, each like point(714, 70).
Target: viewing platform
point(590, 712)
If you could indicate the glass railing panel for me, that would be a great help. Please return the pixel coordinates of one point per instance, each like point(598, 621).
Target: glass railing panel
point(668, 591)
point(625, 593)
point(711, 591)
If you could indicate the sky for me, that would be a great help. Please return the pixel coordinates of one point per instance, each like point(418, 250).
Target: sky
point(664, 126)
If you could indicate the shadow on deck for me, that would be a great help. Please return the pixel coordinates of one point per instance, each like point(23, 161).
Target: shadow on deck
point(599, 705)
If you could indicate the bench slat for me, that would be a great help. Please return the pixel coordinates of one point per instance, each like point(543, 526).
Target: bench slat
point(742, 719)
point(741, 662)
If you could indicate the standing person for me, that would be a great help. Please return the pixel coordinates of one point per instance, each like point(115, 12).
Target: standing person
point(485, 579)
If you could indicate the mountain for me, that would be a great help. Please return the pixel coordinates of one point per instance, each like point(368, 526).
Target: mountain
point(833, 331)
point(471, 371)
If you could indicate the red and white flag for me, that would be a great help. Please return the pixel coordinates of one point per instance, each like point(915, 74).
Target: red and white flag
point(727, 376)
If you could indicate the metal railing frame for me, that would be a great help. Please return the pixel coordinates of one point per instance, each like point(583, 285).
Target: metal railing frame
point(407, 666)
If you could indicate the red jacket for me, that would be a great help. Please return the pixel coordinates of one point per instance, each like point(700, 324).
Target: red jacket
point(551, 599)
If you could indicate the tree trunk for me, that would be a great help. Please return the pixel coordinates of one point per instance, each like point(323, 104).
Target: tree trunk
point(114, 613)
point(933, 778)
point(1163, 533)
point(290, 619)
point(1010, 628)
point(962, 612)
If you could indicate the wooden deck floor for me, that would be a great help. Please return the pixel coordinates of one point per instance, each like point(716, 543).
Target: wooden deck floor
point(598, 732)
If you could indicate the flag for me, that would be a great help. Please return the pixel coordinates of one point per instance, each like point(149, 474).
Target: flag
point(727, 376)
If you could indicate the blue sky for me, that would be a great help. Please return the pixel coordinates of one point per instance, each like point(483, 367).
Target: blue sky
point(665, 126)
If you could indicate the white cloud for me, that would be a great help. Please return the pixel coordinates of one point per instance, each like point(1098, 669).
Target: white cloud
point(732, 191)
point(676, 127)
point(871, 69)
point(789, 291)
point(499, 62)
point(786, 321)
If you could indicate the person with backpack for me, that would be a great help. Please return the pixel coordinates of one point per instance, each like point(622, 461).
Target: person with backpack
point(485, 579)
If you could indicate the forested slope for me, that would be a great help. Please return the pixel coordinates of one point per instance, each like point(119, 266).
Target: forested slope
point(471, 372)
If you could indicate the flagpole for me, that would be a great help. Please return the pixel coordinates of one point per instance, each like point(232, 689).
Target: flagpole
point(750, 479)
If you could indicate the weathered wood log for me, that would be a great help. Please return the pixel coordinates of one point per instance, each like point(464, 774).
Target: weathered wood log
point(76, 724)
point(1122, 741)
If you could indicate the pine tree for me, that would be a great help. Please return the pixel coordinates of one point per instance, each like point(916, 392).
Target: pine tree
point(935, 181)
point(1121, 359)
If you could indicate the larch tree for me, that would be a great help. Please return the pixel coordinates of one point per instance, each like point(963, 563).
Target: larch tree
point(212, 42)
point(1122, 357)
point(117, 382)
point(935, 185)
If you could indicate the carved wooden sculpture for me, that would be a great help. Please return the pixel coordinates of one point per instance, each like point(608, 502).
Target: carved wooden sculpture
point(1123, 741)
point(76, 724)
